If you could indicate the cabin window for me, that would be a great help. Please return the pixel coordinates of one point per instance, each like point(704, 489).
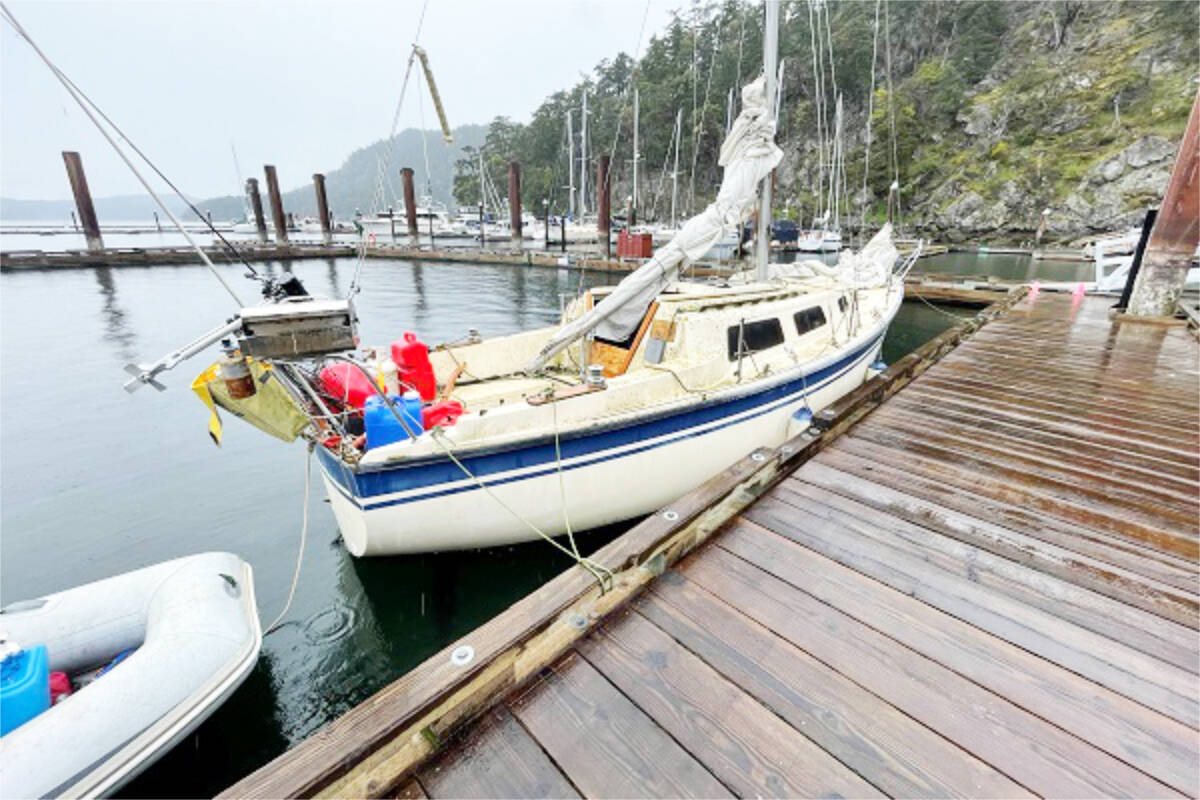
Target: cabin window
point(754, 336)
point(842, 304)
point(809, 319)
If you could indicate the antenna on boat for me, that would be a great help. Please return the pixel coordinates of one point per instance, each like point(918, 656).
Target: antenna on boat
point(762, 241)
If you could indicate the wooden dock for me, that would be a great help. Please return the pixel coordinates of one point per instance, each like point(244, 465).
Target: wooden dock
point(974, 576)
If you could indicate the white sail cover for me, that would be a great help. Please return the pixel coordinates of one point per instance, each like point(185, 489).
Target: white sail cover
point(748, 155)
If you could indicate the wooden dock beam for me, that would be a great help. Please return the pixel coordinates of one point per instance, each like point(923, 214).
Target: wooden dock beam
point(83, 201)
point(256, 207)
point(323, 208)
point(514, 202)
point(378, 745)
point(277, 215)
point(410, 202)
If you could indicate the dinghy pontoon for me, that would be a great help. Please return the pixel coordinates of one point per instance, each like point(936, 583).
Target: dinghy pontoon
point(192, 626)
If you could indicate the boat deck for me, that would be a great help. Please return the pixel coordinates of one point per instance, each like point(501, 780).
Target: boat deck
point(988, 587)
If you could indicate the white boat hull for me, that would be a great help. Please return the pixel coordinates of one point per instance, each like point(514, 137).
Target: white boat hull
point(652, 462)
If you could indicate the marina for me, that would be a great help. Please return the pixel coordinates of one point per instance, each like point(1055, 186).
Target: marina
point(1035, 636)
point(844, 442)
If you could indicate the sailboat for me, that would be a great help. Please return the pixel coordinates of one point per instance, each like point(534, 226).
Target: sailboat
point(642, 392)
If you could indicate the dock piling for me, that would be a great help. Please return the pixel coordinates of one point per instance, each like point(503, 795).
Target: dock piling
point(83, 200)
point(410, 202)
point(603, 207)
point(1173, 241)
point(260, 224)
point(514, 202)
point(277, 215)
point(322, 207)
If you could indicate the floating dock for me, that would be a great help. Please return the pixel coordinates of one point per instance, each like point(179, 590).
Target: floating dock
point(975, 576)
point(258, 252)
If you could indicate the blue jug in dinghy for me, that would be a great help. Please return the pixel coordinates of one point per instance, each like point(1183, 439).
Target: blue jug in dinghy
point(382, 425)
point(24, 687)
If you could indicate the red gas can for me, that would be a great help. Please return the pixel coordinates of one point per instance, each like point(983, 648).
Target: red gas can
point(412, 360)
point(347, 383)
point(446, 412)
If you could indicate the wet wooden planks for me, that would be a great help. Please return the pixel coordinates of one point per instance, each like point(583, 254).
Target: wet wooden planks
point(986, 588)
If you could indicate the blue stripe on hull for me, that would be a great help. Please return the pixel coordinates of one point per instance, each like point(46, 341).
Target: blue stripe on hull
point(360, 487)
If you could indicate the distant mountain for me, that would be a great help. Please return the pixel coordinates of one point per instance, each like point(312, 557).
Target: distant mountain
point(120, 208)
point(353, 185)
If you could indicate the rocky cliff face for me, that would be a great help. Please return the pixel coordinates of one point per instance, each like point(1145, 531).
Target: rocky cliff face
point(1080, 115)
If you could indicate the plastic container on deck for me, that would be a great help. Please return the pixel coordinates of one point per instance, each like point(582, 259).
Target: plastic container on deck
point(446, 412)
point(347, 382)
point(382, 425)
point(24, 687)
point(412, 358)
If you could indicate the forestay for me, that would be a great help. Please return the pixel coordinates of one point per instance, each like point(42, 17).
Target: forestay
point(748, 155)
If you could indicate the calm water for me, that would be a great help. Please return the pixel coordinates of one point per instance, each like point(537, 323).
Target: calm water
point(95, 481)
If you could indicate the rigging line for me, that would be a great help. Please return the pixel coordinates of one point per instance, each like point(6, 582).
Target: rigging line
point(229, 246)
point(870, 113)
point(601, 573)
point(562, 485)
point(887, 39)
point(741, 40)
point(699, 130)
point(274, 626)
point(818, 97)
point(623, 104)
point(424, 139)
point(78, 98)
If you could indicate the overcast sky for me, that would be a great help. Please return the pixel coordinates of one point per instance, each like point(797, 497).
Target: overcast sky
point(297, 84)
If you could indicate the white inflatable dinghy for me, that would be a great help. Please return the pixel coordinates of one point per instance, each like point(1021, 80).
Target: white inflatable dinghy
point(193, 629)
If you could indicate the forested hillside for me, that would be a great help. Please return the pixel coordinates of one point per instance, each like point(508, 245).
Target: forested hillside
point(354, 185)
point(985, 112)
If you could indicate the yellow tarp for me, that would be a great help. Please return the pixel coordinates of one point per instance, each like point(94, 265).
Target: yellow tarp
point(271, 409)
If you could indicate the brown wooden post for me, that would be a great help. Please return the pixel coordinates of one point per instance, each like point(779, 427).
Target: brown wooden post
point(322, 208)
point(277, 214)
point(260, 224)
point(410, 202)
point(603, 209)
point(514, 202)
point(1176, 232)
point(83, 201)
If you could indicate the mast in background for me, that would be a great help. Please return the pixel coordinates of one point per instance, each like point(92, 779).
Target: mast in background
point(762, 241)
point(570, 167)
point(634, 205)
point(583, 158)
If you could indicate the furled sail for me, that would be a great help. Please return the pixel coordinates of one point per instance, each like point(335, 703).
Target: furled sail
point(748, 155)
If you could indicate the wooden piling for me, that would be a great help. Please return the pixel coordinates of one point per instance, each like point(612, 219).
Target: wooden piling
point(260, 224)
point(322, 207)
point(1173, 241)
point(514, 201)
point(410, 201)
point(276, 204)
point(603, 207)
point(83, 200)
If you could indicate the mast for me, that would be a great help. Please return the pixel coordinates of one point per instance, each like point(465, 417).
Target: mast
point(583, 159)
point(675, 169)
point(570, 167)
point(633, 207)
point(762, 242)
point(482, 201)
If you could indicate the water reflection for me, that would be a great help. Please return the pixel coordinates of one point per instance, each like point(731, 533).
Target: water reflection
point(422, 307)
point(116, 329)
point(331, 275)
